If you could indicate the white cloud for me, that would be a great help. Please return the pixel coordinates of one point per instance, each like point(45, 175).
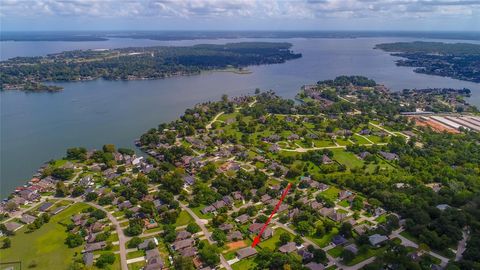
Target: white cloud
point(258, 9)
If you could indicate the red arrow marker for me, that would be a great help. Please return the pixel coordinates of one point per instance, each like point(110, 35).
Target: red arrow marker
point(258, 238)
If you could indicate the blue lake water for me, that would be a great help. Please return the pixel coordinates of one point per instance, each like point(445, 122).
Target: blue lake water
point(36, 127)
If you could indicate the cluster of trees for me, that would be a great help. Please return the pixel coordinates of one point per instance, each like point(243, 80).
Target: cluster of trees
point(42, 219)
point(343, 81)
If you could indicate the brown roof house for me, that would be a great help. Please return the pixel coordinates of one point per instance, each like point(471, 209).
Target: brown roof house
point(246, 252)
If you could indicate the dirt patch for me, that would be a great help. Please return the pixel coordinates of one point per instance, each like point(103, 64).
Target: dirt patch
point(438, 127)
point(236, 245)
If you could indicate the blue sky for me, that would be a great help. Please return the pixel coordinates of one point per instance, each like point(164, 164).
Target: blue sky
point(440, 15)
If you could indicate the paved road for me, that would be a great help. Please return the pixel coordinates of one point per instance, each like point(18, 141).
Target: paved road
point(205, 231)
point(462, 245)
point(209, 125)
point(122, 239)
point(407, 242)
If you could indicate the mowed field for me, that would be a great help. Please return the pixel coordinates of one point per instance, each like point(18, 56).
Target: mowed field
point(45, 247)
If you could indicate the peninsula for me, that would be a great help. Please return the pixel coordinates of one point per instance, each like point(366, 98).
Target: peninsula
point(140, 63)
point(456, 60)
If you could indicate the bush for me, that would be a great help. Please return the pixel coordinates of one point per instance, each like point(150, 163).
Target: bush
point(104, 259)
point(193, 228)
point(74, 240)
point(7, 243)
point(134, 242)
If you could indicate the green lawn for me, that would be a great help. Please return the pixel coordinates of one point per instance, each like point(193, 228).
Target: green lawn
point(344, 203)
point(244, 264)
point(381, 218)
point(362, 257)
point(271, 243)
point(136, 266)
point(324, 240)
point(343, 142)
point(359, 139)
point(135, 254)
point(336, 251)
point(183, 219)
point(331, 193)
point(347, 158)
point(197, 212)
point(46, 245)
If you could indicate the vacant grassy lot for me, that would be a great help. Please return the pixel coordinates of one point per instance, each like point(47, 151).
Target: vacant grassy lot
point(244, 264)
point(324, 240)
point(44, 246)
point(183, 219)
point(336, 251)
point(347, 158)
point(272, 242)
point(331, 193)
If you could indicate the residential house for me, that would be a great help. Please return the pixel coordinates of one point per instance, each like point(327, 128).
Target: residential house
point(146, 243)
point(219, 204)
point(306, 255)
point(18, 200)
point(337, 216)
point(361, 229)
point(208, 209)
point(255, 227)
point(246, 252)
point(389, 156)
point(314, 266)
point(237, 195)
point(326, 160)
point(294, 212)
point(282, 208)
point(27, 219)
point(265, 198)
point(343, 194)
point(182, 244)
point(149, 223)
point(181, 235)
point(288, 247)
point(353, 248)
point(12, 226)
point(267, 233)
point(326, 211)
point(442, 207)
point(338, 240)
point(363, 155)
point(234, 236)
point(377, 239)
point(188, 180)
point(45, 206)
point(154, 261)
point(88, 259)
point(124, 205)
point(94, 246)
point(225, 227)
point(227, 200)
point(29, 194)
point(242, 219)
point(188, 252)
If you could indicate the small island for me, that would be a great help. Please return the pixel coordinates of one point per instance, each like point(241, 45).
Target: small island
point(139, 63)
point(455, 60)
point(377, 178)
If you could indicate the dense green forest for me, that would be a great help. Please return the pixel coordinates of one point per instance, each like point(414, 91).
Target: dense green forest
point(27, 73)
